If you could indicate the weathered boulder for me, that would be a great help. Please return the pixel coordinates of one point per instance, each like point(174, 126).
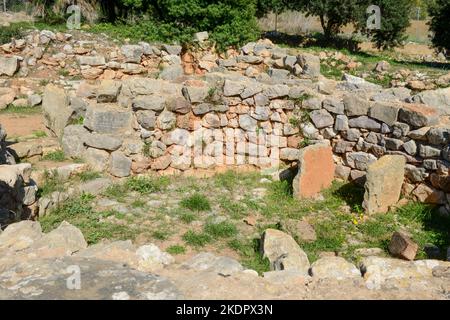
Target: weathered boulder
point(384, 183)
point(208, 262)
point(72, 141)
point(334, 268)
point(119, 165)
point(315, 171)
point(283, 252)
point(418, 115)
point(8, 66)
point(56, 109)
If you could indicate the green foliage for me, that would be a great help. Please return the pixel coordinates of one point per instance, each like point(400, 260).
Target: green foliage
point(13, 31)
point(196, 202)
point(176, 249)
point(394, 22)
point(80, 213)
point(197, 239)
point(221, 230)
point(146, 185)
point(440, 24)
point(88, 175)
point(52, 182)
point(230, 23)
point(250, 253)
point(57, 156)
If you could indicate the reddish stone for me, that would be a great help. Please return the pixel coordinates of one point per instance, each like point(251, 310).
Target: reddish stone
point(315, 171)
point(402, 246)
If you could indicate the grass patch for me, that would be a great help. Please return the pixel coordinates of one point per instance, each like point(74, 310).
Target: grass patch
point(10, 109)
point(138, 203)
point(52, 183)
point(39, 134)
point(251, 257)
point(197, 239)
point(117, 192)
point(56, 156)
point(79, 212)
point(88, 175)
point(221, 230)
point(188, 217)
point(176, 249)
point(196, 202)
point(161, 234)
point(146, 185)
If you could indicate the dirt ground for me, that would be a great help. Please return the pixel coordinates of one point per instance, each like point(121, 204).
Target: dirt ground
point(18, 125)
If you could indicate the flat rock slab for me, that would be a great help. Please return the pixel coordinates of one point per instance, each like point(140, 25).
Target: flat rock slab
point(98, 280)
point(315, 171)
point(384, 183)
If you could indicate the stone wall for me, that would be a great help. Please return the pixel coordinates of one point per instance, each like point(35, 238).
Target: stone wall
point(231, 116)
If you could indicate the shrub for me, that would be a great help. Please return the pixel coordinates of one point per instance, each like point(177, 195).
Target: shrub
point(394, 22)
point(440, 24)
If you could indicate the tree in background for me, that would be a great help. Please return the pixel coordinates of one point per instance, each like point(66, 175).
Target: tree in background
point(440, 25)
point(395, 15)
point(333, 14)
point(263, 7)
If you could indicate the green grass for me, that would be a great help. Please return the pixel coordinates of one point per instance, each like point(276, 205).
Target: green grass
point(161, 234)
point(188, 217)
point(196, 239)
point(251, 257)
point(176, 249)
point(196, 202)
point(10, 109)
point(146, 185)
point(39, 134)
point(80, 213)
point(88, 175)
point(57, 156)
point(221, 230)
point(52, 182)
point(138, 203)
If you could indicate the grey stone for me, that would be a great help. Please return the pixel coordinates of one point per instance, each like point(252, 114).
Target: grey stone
point(415, 174)
point(430, 164)
point(108, 91)
point(419, 134)
point(96, 159)
point(364, 122)
point(247, 123)
point(429, 151)
point(55, 106)
point(334, 106)
point(166, 120)
point(312, 104)
point(8, 65)
point(72, 141)
point(92, 61)
point(147, 119)
point(103, 141)
point(355, 106)
point(400, 130)
point(341, 123)
point(418, 115)
point(352, 135)
point(107, 119)
point(334, 268)
point(202, 108)
point(289, 154)
point(321, 118)
point(172, 49)
point(276, 91)
point(153, 102)
point(232, 88)
point(119, 165)
point(283, 252)
point(261, 113)
point(310, 64)
point(359, 160)
point(410, 147)
point(171, 72)
point(393, 144)
point(438, 136)
point(208, 262)
point(249, 59)
point(384, 112)
point(195, 94)
point(343, 146)
point(132, 53)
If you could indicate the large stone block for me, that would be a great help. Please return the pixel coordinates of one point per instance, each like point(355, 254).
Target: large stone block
point(384, 183)
point(283, 252)
point(56, 109)
point(315, 171)
point(418, 115)
point(8, 66)
point(108, 119)
point(384, 112)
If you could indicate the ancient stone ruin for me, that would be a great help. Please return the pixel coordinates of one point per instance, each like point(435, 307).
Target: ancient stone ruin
point(147, 109)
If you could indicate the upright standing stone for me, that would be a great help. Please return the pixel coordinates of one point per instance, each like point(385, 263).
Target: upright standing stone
point(315, 171)
point(384, 183)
